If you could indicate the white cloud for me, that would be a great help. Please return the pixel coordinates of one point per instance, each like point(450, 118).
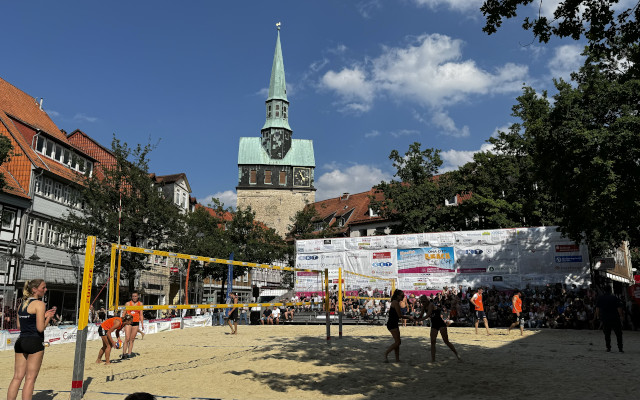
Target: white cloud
point(354, 179)
point(404, 132)
point(352, 85)
point(229, 198)
point(52, 113)
point(457, 5)
point(372, 134)
point(453, 159)
point(365, 7)
point(504, 128)
point(566, 59)
point(442, 120)
point(84, 118)
point(429, 71)
point(339, 49)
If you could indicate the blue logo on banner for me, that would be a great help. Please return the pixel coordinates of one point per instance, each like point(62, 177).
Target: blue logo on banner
point(382, 264)
point(566, 259)
point(473, 251)
point(307, 257)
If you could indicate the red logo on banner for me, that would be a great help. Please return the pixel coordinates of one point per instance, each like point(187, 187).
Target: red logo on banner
point(175, 325)
point(567, 248)
point(386, 254)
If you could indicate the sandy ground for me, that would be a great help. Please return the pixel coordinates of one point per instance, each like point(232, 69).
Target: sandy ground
point(297, 362)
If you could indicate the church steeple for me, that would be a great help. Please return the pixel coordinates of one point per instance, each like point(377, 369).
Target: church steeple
point(276, 132)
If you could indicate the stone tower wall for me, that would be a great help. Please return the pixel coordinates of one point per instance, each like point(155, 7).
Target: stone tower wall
point(275, 208)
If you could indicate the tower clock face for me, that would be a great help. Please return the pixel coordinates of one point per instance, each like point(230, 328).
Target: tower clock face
point(301, 176)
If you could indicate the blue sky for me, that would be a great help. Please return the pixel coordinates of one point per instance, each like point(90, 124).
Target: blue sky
point(364, 78)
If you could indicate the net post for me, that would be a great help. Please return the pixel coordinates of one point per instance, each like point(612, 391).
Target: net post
point(327, 303)
point(340, 310)
point(111, 275)
point(77, 379)
point(117, 288)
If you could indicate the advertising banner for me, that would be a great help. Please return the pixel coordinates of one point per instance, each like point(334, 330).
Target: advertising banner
point(10, 338)
point(504, 258)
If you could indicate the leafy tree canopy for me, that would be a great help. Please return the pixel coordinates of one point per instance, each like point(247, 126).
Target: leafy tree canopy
point(416, 201)
point(148, 219)
point(610, 33)
point(6, 150)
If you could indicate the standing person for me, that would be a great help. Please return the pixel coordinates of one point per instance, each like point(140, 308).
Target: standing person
point(429, 310)
point(516, 311)
point(404, 308)
point(476, 300)
point(395, 314)
point(33, 318)
point(609, 311)
point(233, 315)
point(131, 331)
point(113, 324)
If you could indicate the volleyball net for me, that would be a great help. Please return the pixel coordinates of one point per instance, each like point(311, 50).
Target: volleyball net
point(358, 286)
point(279, 296)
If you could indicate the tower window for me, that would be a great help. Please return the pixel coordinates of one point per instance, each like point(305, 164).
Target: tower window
point(269, 114)
point(253, 177)
point(277, 106)
point(277, 113)
point(267, 177)
point(284, 114)
point(283, 178)
point(269, 108)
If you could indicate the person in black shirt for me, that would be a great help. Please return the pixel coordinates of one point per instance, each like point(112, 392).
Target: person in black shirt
point(609, 311)
point(29, 348)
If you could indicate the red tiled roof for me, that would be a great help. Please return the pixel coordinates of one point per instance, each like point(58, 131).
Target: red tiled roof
point(20, 118)
point(18, 104)
point(226, 216)
point(169, 178)
point(11, 185)
point(357, 204)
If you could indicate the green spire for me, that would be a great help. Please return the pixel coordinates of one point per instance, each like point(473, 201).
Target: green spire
point(277, 84)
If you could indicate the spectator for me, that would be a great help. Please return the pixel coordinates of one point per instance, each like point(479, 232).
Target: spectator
point(266, 317)
point(275, 315)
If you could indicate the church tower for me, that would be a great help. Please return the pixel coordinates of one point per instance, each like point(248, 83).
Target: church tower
point(275, 171)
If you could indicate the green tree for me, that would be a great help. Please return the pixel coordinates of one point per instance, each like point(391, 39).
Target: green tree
point(506, 191)
point(417, 200)
point(610, 34)
point(148, 219)
point(203, 235)
point(249, 241)
point(304, 224)
point(6, 150)
point(587, 151)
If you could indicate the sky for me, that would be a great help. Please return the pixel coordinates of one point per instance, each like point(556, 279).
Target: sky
point(364, 77)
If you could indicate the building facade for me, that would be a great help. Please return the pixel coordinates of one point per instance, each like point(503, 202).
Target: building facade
point(275, 171)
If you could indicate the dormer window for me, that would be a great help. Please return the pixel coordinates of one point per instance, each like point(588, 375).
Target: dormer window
point(453, 201)
point(372, 213)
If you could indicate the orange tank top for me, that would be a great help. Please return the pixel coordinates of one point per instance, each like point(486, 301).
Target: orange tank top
point(134, 313)
point(478, 302)
point(108, 324)
point(517, 304)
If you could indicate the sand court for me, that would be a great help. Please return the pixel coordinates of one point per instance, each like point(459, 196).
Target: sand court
point(296, 362)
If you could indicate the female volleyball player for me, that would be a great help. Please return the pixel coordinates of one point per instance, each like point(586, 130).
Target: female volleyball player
point(131, 331)
point(233, 315)
point(113, 324)
point(430, 310)
point(395, 314)
point(29, 348)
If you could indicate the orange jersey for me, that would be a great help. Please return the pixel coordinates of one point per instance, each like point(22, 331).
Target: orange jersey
point(134, 313)
point(108, 324)
point(517, 304)
point(477, 301)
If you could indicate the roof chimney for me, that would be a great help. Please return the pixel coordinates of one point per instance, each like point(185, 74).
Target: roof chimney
point(41, 99)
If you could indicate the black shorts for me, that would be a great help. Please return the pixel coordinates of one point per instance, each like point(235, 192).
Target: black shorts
point(480, 315)
point(135, 323)
point(101, 332)
point(515, 317)
point(233, 316)
point(437, 323)
point(28, 345)
point(393, 326)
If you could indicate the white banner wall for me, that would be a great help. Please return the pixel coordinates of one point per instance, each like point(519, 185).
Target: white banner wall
point(426, 262)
